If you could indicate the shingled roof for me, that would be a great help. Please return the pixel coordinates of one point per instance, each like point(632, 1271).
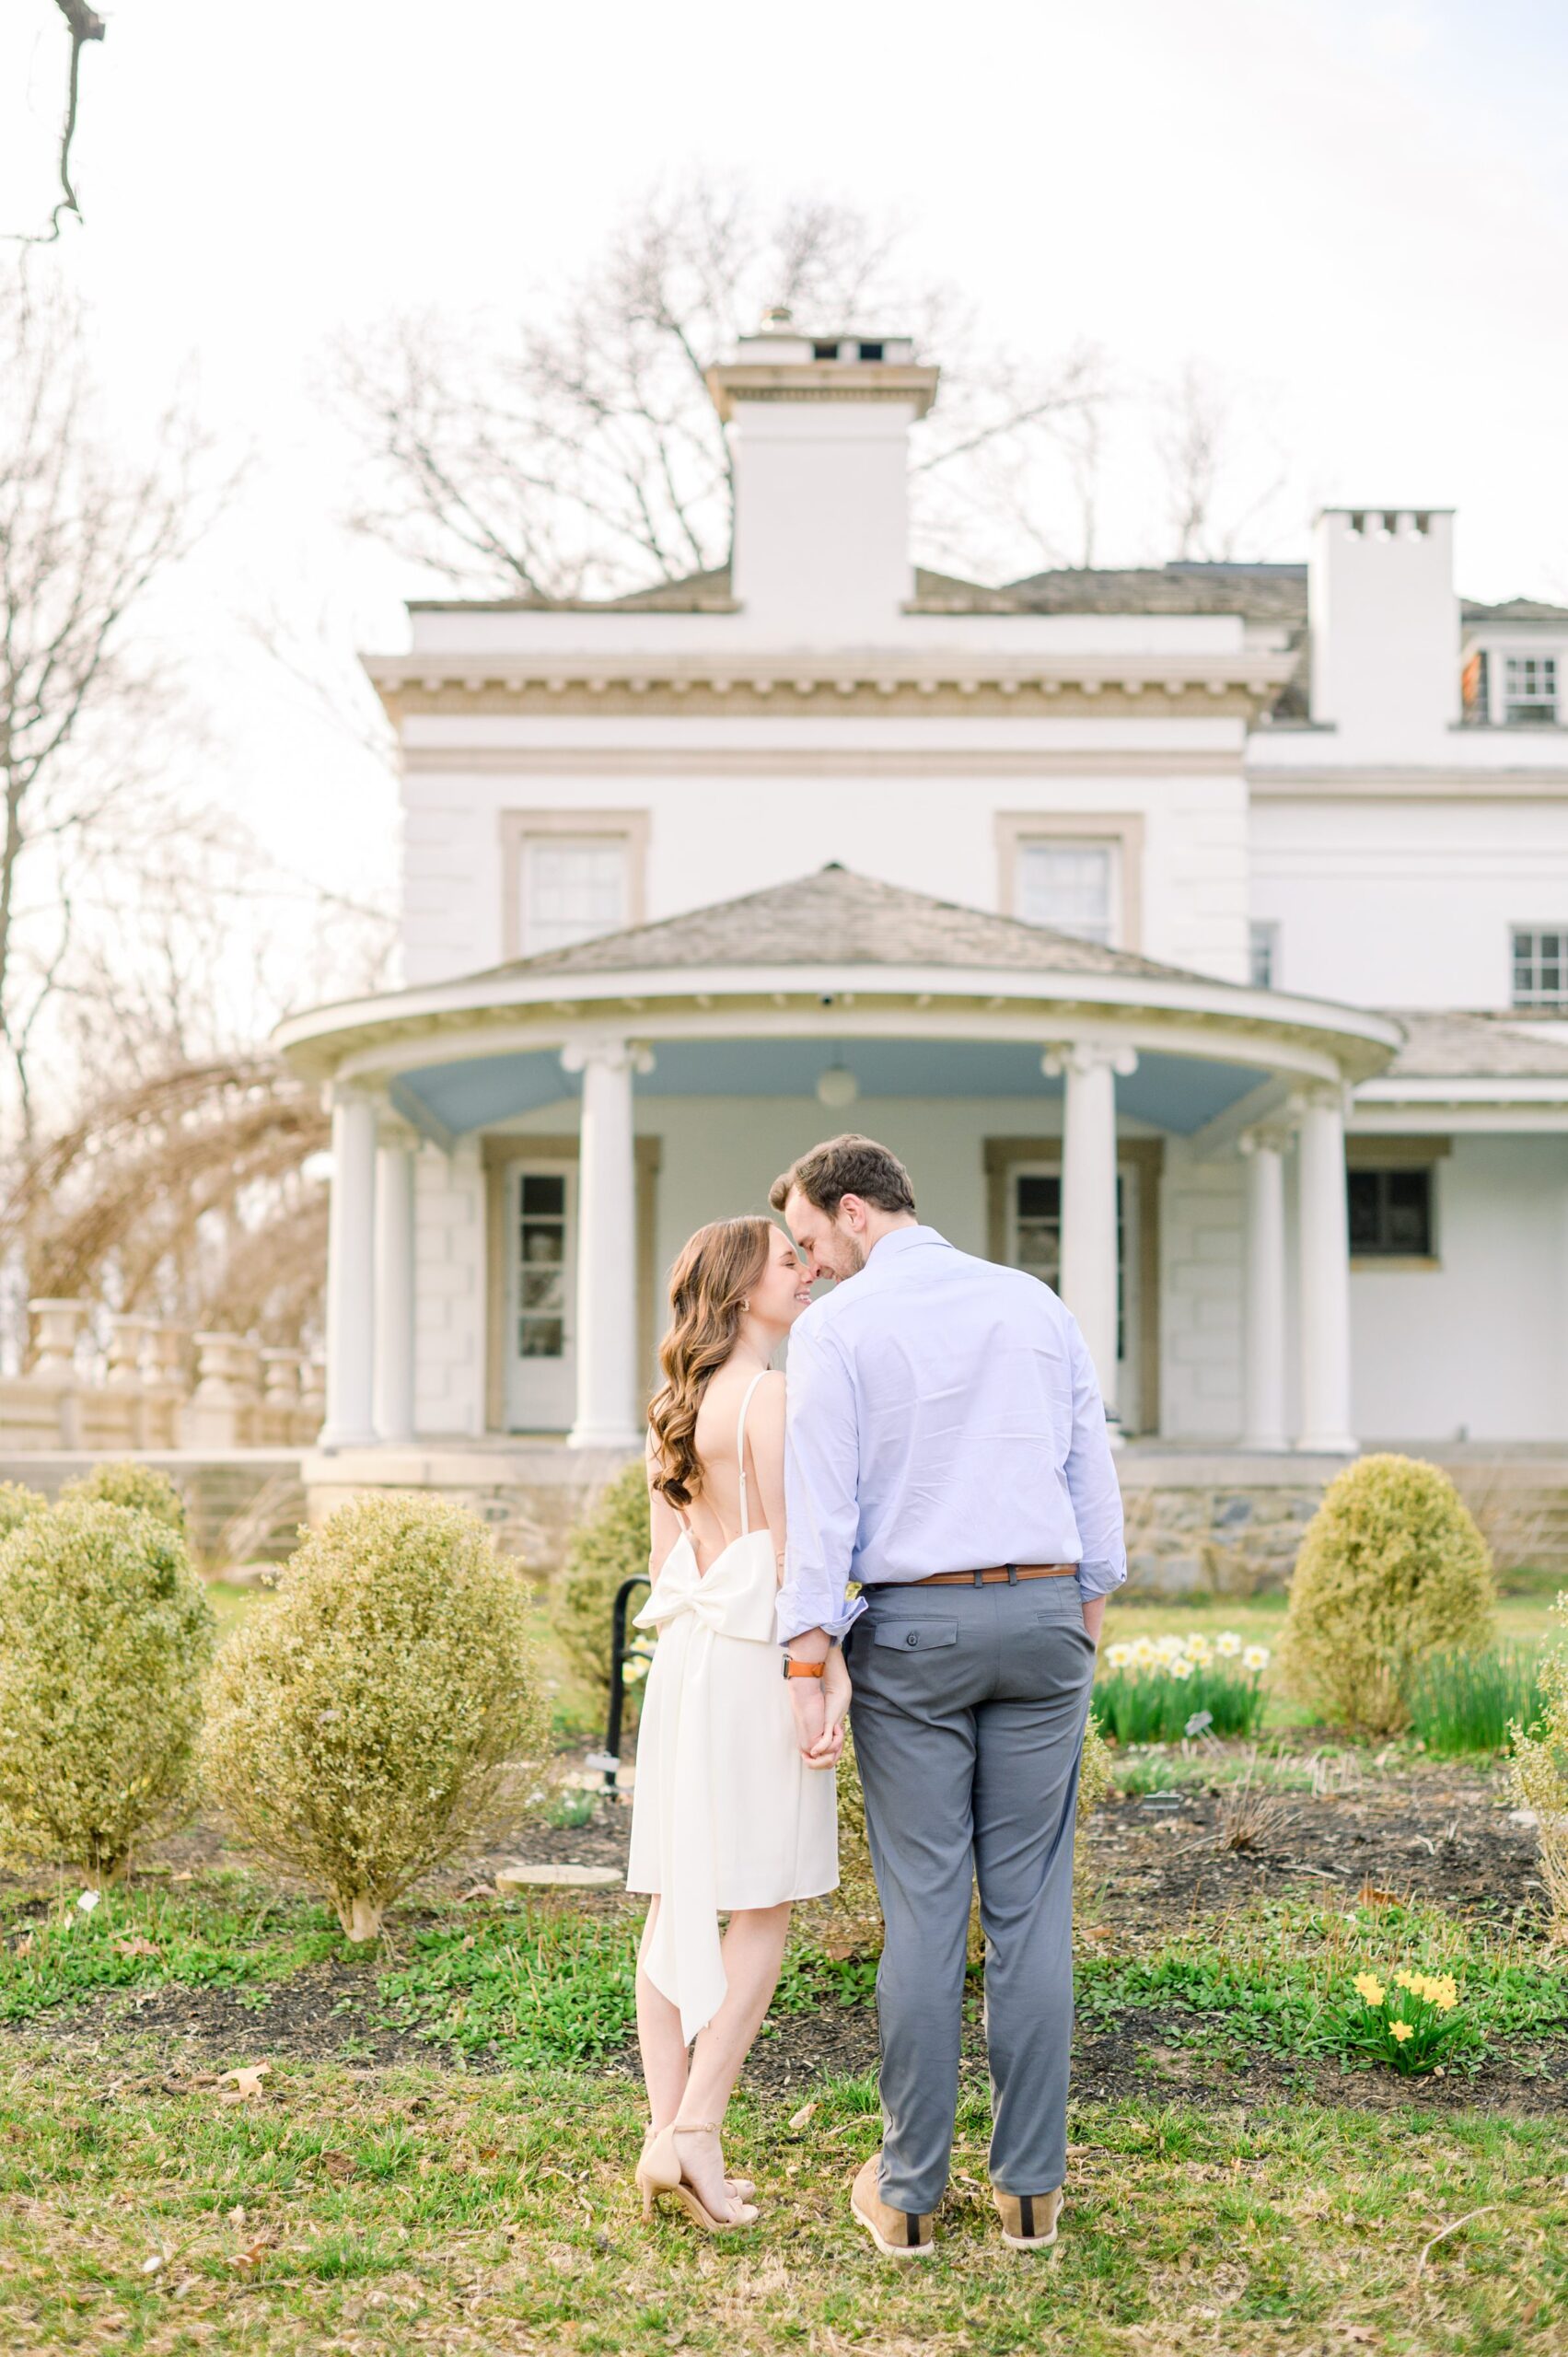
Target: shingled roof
point(1258, 593)
point(1451, 1046)
point(836, 917)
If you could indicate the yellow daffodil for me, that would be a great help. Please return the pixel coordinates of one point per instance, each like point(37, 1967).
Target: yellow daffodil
point(1406, 1978)
point(1367, 1985)
point(1401, 2031)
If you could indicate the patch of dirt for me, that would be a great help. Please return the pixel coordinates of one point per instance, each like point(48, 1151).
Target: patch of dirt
point(1427, 1831)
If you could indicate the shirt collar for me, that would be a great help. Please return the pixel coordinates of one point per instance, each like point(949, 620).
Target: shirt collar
point(903, 1239)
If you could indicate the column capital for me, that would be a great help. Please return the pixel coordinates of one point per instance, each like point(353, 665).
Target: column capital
point(1320, 1096)
point(1088, 1055)
point(614, 1055)
point(1267, 1137)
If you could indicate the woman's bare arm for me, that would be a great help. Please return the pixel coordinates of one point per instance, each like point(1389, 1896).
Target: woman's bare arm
point(664, 1522)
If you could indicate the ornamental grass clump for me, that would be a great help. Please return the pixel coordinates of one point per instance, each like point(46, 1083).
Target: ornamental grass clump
point(1539, 1773)
point(124, 1483)
point(105, 1636)
point(610, 1545)
point(378, 1715)
point(1151, 1690)
point(1413, 2022)
point(1461, 1702)
point(1392, 1568)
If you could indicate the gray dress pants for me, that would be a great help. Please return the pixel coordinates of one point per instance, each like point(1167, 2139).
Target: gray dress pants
point(969, 1712)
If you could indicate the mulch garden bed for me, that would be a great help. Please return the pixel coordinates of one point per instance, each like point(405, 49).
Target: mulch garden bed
point(1430, 1831)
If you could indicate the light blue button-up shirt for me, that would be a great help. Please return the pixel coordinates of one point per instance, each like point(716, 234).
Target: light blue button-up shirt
point(943, 1415)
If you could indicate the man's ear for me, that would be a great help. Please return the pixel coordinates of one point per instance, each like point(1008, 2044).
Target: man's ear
point(853, 1209)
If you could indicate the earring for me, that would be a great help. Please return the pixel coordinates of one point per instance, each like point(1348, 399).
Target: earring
point(745, 1305)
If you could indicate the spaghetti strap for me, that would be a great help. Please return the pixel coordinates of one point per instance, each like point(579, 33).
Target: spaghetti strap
point(740, 1452)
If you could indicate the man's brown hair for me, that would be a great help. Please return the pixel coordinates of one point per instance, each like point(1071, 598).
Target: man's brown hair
point(847, 1165)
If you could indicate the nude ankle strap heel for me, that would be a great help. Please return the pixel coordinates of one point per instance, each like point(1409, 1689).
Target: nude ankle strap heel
point(659, 2172)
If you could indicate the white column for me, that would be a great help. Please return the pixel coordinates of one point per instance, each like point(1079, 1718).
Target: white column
point(394, 1290)
point(1264, 1342)
point(608, 1408)
point(1325, 1274)
point(1088, 1197)
point(351, 1274)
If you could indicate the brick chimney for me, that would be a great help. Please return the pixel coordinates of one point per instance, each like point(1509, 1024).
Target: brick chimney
point(818, 434)
point(1385, 627)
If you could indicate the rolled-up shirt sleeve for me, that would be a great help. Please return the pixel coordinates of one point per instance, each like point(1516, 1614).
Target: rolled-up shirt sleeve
point(821, 1484)
point(1091, 1479)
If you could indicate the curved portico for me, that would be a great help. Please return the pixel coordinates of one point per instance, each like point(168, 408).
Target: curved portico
point(833, 990)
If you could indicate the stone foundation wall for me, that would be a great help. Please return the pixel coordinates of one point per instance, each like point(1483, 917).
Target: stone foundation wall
point(245, 1507)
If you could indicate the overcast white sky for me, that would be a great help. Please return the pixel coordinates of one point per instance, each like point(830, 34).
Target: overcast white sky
point(1359, 210)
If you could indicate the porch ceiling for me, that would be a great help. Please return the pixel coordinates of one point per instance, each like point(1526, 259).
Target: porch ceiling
point(1173, 1093)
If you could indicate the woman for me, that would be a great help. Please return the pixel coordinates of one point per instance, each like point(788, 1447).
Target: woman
point(727, 1816)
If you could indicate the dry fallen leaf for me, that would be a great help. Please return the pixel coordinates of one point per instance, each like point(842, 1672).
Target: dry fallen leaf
point(245, 2261)
point(477, 1890)
point(247, 2087)
point(138, 1947)
point(800, 2118)
point(237, 2215)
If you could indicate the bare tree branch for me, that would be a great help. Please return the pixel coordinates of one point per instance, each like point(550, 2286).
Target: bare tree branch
point(84, 25)
point(576, 452)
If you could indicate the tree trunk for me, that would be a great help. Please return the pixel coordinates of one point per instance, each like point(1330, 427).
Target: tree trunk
point(360, 1916)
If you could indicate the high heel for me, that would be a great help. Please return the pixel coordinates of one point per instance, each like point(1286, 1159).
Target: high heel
point(739, 2189)
point(660, 2171)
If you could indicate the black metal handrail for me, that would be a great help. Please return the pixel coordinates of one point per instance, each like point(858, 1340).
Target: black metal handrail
point(620, 1652)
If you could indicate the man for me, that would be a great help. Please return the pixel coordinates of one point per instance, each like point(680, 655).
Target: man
point(946, 1448)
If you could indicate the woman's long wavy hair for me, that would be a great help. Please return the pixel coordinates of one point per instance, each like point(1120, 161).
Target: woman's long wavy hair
point(707, 1289)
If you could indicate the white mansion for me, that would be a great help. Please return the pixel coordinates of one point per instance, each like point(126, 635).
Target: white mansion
point(1199, 936)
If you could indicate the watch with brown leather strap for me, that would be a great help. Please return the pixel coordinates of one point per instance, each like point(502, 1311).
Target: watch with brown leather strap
point(793, 1668)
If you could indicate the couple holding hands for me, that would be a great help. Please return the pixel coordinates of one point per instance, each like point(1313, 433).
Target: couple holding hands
point(940, 1440)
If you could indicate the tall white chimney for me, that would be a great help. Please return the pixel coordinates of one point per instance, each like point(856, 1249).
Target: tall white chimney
point(819, 435)
point(1385, 627)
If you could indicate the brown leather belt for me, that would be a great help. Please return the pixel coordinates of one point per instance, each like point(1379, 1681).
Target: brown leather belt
point(1009, 1572)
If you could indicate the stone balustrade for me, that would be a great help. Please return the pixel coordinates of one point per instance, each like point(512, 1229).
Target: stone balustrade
point(138, 1393)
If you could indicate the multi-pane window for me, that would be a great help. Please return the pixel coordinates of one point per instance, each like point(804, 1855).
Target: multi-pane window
point(1390, 1214)
point(1070, 887)
point(1037, 1238)
point(543, 1265)
point(1263, 938)
point(1529, 688)
point(1540, 965)
point(572, 889)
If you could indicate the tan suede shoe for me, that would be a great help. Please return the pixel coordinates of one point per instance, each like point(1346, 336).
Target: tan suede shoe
point(897, 2233)
point(1028, 2220)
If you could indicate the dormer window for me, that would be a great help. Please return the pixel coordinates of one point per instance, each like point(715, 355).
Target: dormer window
point(1529, 688)
point(871, 352)
point(824, 351)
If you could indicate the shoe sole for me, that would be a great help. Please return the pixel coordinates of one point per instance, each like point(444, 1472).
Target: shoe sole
point(1028, 2242)
point(888, 2249)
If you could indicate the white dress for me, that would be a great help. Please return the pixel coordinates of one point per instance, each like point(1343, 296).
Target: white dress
point(724, 1812)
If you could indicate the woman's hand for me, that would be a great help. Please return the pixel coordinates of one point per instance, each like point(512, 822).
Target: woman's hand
point(836, 1689)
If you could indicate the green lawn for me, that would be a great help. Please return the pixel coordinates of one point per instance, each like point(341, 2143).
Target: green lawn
point(412, 2210)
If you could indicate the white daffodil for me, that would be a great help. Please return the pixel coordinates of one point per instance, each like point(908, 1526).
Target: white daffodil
point(1179, 1667)
point(1118, 1655)
point(1254, 1657)
point(1228, 1645)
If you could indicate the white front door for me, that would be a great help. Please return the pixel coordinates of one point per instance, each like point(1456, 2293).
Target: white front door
point(1034, 1242)
point(541, 1259)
